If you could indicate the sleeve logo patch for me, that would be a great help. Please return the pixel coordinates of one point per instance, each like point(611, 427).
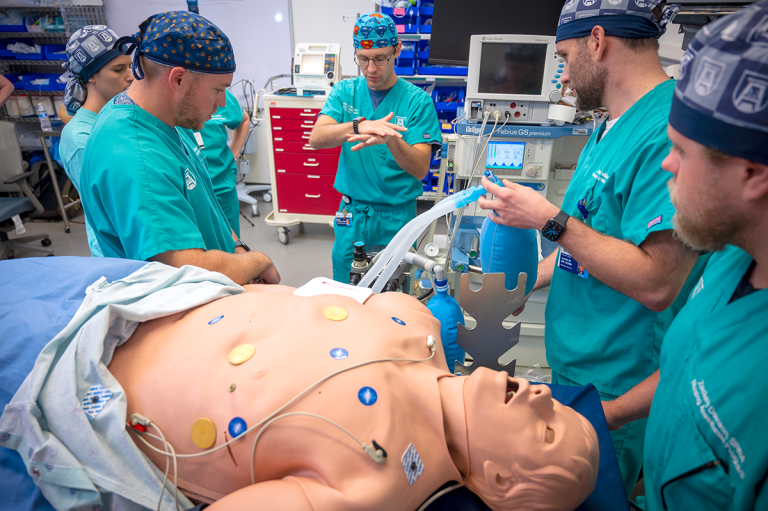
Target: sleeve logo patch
point(426, 135)
point(655, 221)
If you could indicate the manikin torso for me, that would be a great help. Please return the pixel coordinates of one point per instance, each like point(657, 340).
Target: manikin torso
point(175, 370)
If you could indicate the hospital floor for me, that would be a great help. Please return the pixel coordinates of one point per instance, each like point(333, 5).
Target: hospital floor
point(307, 255)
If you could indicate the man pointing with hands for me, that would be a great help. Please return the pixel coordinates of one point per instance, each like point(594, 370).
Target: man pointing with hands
point(388, 129)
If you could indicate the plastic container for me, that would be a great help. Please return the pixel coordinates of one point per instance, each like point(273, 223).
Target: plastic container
point(34, 24)
point(27, 56)
point(54, 51)
point(25, 105)
point(42, 114)
point(46, 102)
point(12, 106)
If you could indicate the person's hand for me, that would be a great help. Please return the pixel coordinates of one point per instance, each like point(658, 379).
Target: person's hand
point(517, 206)
point(611, 418)
point(381, 127)
point(366, 141)
point(269, 275)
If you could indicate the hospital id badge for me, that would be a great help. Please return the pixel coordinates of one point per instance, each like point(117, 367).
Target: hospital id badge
point(565, 261)
point(343, 219)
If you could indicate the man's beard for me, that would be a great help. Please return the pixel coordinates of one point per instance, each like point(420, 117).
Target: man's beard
point(708, 231)
point(189, 115)
point(589, 82)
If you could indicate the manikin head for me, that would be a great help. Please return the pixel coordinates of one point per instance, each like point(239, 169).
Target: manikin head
point(555, 449)
point(376, 48)
point(718, 126)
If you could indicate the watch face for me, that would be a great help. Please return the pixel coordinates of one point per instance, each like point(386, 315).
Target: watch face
point(552, 230)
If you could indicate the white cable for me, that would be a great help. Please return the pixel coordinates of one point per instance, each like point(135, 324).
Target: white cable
point(433, 350)
point(438, 495)
point(293, 414)
point(167, 446)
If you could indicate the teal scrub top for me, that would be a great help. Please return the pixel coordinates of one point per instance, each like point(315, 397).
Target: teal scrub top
point(595, 334)
point(372, 175)
point(710, 401)
point(146, 187)
point(74, 136)
point(221, 164)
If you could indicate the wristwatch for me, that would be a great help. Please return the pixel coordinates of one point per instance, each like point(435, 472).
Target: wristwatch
point(555, 227)
point(356, 122)
point(241, 243)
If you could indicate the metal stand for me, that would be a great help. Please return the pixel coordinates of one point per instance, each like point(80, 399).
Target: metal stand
point(489, 305)
point(56, 190)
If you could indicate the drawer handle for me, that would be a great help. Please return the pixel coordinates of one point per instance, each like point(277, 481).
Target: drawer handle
point(281, 171)
point(275, 116)
point(276, 128)
point(303, 126)
point(307, 115)
point(277, 150)
point(307, 148)
point(278, 139)
point(305, 137)
point(311, 164)
point(308, 196)
point(313, 177)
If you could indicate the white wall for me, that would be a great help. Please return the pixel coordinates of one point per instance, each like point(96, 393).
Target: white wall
point(261, 43)
point(323, 21)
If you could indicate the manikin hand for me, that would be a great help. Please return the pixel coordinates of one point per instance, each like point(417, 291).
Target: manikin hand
point(517, 206)
point(375, 132)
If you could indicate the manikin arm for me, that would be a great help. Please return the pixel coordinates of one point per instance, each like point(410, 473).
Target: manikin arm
point(288, 494)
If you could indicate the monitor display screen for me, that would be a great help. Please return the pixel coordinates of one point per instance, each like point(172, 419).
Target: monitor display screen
point(312, 64)
point(512, 68)
point(455, 21)
point(505, 155)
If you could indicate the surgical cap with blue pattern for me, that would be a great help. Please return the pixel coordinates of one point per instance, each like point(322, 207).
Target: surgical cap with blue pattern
point(88, 50)
point(180, 39)
point(633, 19)
point(375, 30)
point(721, 97)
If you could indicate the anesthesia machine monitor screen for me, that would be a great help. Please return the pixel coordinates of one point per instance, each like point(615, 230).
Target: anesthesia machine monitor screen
point(512, 68)
point(505, 155)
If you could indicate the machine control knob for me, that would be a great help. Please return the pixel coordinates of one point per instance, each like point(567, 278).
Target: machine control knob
point(555, 96)
point(330, 75)
point(530, 171)
point(431, 250)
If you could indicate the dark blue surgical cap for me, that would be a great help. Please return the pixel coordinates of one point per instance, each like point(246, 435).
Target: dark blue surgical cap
point(632, 19)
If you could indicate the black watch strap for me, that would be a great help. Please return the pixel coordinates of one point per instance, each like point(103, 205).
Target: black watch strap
point(555, 226)
point(241, 243)
point(356, 123)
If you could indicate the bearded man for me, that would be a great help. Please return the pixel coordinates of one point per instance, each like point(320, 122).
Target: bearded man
point(145, 185)
point(605, 324)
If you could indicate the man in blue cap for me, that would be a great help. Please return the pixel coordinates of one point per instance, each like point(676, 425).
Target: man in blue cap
point(145, 184)
point(388, 129)
point(605, 324)
point(705, 444)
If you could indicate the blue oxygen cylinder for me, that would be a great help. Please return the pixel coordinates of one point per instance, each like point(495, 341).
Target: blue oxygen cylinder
point(447, 311)
point(510, 251)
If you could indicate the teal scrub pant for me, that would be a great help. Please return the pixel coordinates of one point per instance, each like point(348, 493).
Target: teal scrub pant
point(231, 207)
point(627, 442)
point(373, 223)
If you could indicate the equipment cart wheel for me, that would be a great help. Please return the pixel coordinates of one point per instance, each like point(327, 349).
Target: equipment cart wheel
point(267, 197)
point(282, 235)
point(46, 242)
point(254, 210)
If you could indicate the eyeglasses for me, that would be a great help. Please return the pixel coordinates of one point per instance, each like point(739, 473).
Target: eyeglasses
point(378, 61)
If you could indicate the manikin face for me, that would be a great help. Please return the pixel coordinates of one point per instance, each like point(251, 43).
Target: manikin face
point(203, 96)
point(583, 75)
point(510, 415)
point(379, 76)
point(706, 217)
point(113, 78)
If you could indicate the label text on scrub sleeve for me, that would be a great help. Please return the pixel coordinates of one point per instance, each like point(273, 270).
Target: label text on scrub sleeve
point(718, 428)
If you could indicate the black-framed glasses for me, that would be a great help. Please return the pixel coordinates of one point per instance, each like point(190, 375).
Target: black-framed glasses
point(378, 61)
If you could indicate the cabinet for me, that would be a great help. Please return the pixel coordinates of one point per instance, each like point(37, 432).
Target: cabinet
point(302, 177)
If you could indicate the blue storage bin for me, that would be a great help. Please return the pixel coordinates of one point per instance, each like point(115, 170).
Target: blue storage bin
point(7, 55)
point(424, 46)
point(407, 55)
point(425, 69)
point(423, 55)
point(407, 29)
point(425, 29)
point(410, 12)
point(52, 85)
point(27, 56)
point(426, 11)
point(13, 28)
point(50, 51)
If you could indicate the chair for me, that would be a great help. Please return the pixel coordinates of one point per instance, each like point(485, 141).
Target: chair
point(244, 191)
point(22, 207)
